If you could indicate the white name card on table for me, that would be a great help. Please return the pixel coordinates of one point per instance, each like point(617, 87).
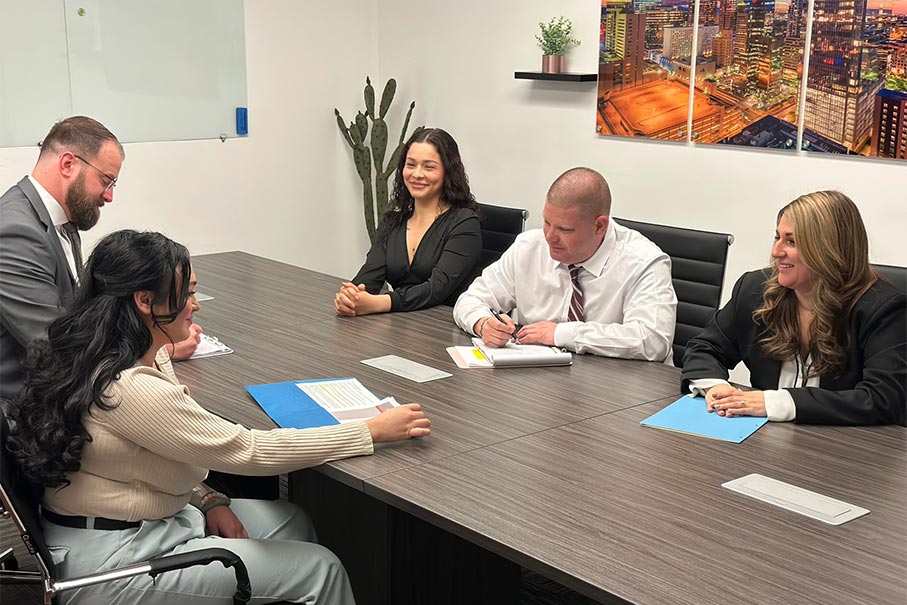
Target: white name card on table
point(417, 372)
point(796, 499)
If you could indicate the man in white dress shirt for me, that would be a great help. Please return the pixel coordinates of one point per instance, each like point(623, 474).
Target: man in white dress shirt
point(582, 282)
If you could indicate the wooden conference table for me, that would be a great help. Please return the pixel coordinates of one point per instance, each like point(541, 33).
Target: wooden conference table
point(548, 468)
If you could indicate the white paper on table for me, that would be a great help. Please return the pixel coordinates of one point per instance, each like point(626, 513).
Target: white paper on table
point(209, 346)
point(469, 357)
point(344, 416)
point(512, 354)
point(413, 370)
point(339, 395)
point(203, 297)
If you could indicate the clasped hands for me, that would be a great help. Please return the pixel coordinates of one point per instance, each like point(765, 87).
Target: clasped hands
point(353, 300)
point(495, 333)
point(729, 401)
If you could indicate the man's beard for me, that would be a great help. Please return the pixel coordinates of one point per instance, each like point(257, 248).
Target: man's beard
point(84, 210)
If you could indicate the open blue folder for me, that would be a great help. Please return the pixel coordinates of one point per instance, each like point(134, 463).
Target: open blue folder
point(688, 415)
point(289, 407)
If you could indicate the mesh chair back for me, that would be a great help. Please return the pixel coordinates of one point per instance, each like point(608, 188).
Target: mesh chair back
point(21, 498)
point(698, 261)
point(500, 226)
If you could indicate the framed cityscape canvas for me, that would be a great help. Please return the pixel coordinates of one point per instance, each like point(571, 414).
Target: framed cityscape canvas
point(856, 85)
point(755, 61)
point(638, 94)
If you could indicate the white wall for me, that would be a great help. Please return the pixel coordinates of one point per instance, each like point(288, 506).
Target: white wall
point(290, 191)
point(457, 60)
point(287, 190)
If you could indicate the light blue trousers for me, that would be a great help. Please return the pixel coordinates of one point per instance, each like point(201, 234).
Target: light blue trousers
point(284, 564)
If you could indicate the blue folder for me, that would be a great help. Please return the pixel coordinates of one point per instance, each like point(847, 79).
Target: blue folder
point(689, 415)
point(289, 407)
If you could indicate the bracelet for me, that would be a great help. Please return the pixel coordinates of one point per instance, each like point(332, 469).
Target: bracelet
point(482, 327)
point(212, 499)
point(215, 503)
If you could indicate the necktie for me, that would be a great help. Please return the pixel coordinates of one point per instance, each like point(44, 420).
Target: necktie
point(75, 240)
point(576, 299)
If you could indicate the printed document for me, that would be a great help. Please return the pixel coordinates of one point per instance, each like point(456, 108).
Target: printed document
point(346, 399)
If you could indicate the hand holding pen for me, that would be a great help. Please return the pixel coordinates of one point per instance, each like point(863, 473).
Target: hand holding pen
point(499, 329)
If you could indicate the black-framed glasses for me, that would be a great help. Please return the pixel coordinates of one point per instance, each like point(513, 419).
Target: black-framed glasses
point(111, 181)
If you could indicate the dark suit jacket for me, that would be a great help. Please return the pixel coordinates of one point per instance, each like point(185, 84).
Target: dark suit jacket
point(872, 389)
point(35, 280)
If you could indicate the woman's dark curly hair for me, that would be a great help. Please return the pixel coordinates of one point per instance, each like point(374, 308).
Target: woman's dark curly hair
point(100, 335)
point(455, 192)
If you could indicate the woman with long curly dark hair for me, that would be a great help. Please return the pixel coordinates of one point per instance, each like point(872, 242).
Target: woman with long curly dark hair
point(824, 338)
point(428, 243)
point(122, 449)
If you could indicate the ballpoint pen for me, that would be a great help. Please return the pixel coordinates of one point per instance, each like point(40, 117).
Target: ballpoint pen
point(497, 315)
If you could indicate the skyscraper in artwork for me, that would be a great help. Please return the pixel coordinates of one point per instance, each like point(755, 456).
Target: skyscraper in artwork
point(843, 80)
point(753, 46)
point(889, 132)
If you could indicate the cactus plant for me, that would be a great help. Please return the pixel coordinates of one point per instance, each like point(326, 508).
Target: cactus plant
point(375, 150)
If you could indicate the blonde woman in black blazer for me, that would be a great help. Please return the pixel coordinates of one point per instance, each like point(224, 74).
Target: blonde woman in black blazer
point(824, 338)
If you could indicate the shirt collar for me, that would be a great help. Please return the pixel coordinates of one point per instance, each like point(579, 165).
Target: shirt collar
point(54, 209)
point(595, 264)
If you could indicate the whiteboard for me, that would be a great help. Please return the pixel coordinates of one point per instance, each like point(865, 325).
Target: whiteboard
point(34, 70)
point(149, 70)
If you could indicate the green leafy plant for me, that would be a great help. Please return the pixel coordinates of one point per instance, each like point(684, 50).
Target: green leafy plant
point(554, 37)
point(373, 149)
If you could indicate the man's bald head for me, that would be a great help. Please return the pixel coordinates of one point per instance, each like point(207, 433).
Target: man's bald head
point(583, 188)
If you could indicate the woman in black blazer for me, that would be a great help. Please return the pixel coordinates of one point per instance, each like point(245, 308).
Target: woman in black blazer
point(824, 338)
point(429, 242)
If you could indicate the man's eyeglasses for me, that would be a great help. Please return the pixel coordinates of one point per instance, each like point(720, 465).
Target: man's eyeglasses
point(111, 182)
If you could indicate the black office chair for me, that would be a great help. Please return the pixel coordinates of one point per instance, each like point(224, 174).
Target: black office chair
point(500, 226)
point(698, 261)
point(18, 501)
point(897, 276)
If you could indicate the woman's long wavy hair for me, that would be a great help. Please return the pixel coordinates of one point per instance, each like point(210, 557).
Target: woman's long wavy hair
point(99, 336)
point(455, 192)
point(832, 242)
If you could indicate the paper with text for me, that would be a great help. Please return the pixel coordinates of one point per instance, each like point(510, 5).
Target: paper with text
point(515, 355)
point(346, 399)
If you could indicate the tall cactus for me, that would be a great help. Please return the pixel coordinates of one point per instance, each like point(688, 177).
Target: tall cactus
point(375, 151)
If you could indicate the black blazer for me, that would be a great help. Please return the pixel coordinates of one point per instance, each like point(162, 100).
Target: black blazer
point(444, 265)
point(872, 389)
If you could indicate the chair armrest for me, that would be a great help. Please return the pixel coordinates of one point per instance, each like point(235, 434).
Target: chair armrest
point(204, 557)
point(161, 565)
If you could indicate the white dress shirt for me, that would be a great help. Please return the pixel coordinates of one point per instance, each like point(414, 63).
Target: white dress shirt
point(629, 301)
point(779, 404)
point(58, 218)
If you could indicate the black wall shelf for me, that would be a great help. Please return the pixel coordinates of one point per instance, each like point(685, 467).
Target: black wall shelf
point(562, 77)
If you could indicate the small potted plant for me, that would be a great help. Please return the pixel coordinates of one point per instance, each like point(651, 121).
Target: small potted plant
point(554, 38)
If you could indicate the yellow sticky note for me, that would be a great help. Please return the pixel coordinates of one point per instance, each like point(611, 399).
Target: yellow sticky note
point(478, 354)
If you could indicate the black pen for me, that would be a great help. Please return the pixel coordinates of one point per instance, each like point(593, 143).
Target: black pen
point(497, 315)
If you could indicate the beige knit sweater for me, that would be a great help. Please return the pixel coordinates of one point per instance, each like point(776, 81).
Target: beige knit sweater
point(150, 451)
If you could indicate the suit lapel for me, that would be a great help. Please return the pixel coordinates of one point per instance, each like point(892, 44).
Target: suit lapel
point(65, 280)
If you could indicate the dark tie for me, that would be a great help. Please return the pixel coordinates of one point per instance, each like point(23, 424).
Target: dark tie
point(576, 300)
point(75, 240)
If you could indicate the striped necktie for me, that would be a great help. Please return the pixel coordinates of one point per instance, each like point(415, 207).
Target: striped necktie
point(75, 240)
point(576, 299)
